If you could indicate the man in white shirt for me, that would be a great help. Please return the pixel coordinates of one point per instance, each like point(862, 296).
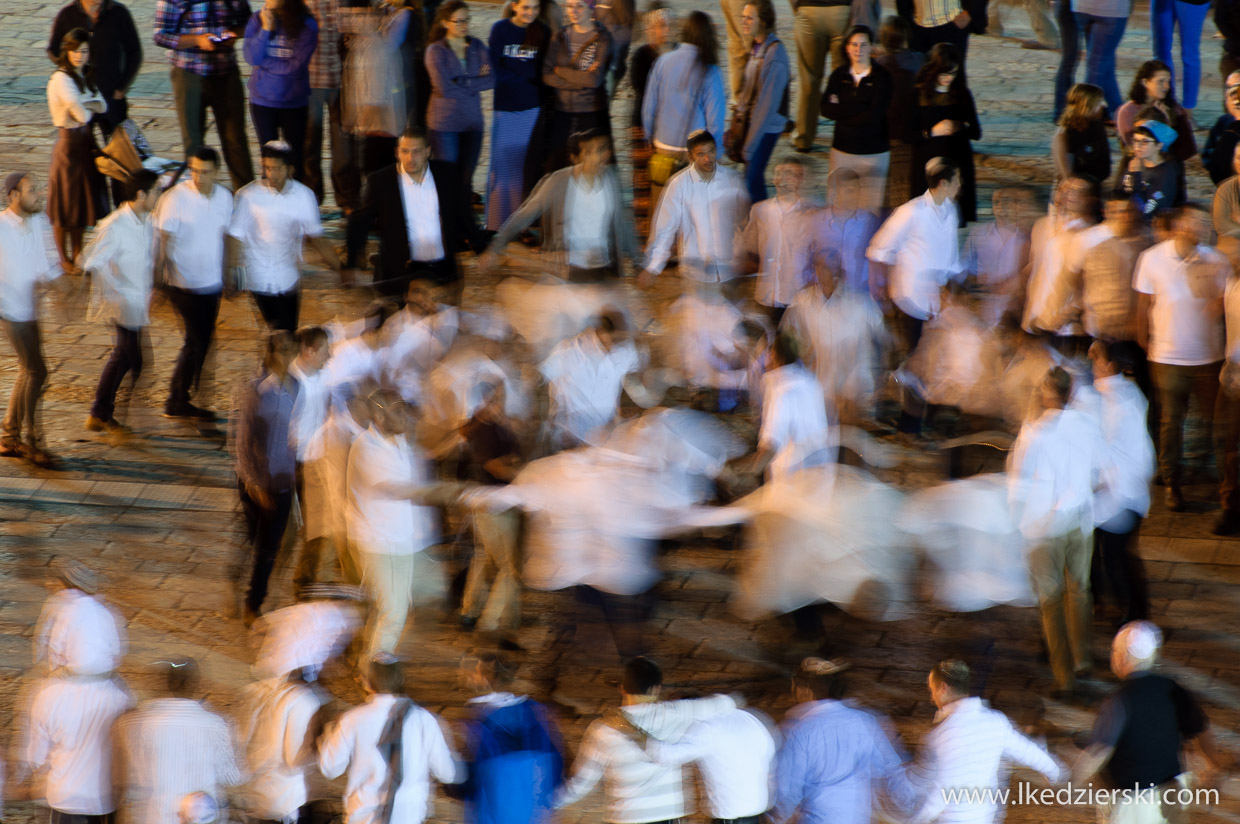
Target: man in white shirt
point(776, 237)
point(1053, 470)
point(391, 518)
point(967, 750)
point(391, 748)
point(76, 633)
point(311, 404)
point(796, 430)
point(121, 256)
point(170, 747)
point(705, 205)
point(1057, 250)
point(638, 789)
point(27, 262)
point(272, 219)
point(192, 219)
point(584, 377)
point(1180, 325)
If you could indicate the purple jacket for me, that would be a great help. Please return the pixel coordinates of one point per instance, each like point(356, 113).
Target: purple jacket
point(456, 90)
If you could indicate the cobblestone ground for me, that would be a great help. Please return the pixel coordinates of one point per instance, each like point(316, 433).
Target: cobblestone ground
point(158, 515)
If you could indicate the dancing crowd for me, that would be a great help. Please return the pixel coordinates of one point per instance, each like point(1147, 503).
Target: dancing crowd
point(574, 433)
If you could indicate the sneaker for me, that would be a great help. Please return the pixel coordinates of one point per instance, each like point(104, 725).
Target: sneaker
point(112, 426)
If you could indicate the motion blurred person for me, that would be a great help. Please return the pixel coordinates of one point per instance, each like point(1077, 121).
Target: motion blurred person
point(585, 376)
point(1228, 409)
point(1108, 301)
point(309, 416)
point(795, 425)
point(997, 252)
point(776, 237)
point(840, 234)
point(76, 632)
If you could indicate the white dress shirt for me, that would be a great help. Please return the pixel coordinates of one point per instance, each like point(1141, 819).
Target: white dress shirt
point(378, 521)
point(69, 106)
point(77, 632)
point(277, 717)
point(585, 382)
point(1128, 461)
point(707, 326)
point(779, 233)
point(969, 749)
point(195, 225)
point(795, 425)
point(71, 735)
point(919, 242)
point(707, 215)
point(309, 411)
point(27, 258)
point(421, 203)
point(273, 226)
point(173, 747)
point(734, 753)
point(122, 257)
point(845, 333)
point(352, 744)
point(1052, 471)
point(1186, 327)
point(588, 219)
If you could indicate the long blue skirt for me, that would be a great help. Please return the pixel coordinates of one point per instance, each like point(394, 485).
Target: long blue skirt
point(510, 139)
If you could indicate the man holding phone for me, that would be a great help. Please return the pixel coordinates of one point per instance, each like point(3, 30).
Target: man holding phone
point(201, 36)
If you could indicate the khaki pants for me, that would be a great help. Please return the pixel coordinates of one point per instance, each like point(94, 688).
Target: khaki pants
point(1059, 571)
point(819, 30)
point(1147, 810)
point(497, 535)
point(394, 583)
point(1044, 31)
point(738, 46)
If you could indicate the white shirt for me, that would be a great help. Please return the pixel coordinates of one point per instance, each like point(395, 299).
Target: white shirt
point(77, 632)
point(195, 225)
point(352, 744)
point(273, 225)
point(122, 257)
point(844, 333)
point(969, 748)
point(779, 233)
point(734, 753)
point(1056, 246)
point(69, 106)
point(1128, 452)
point(421, 203)
point(706, 214)
point(1052, 468)
point(585, 382)
point(71, 735)
point(587, 221)
point(794, 417)
point(919, 242)
point(173, 747)
point(27, 258)
point(309, 412)
point(277, 717)
point(1184, 329)
point(376, 521)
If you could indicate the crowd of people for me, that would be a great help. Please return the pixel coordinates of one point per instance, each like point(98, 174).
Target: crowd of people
point(575, 434)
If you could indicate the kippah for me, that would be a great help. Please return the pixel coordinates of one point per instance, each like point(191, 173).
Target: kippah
point(13, 181)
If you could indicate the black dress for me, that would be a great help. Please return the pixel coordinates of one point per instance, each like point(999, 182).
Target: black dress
point(1090, 151)
point(957, 147)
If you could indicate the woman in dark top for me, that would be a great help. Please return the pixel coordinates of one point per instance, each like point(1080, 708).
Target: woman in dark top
point(857, 98)
point(658, 25)
point(1080, 146)
point(903, 65)
point(944, 125)
point(576, 68)
point(1150, 179)
point(518, 46)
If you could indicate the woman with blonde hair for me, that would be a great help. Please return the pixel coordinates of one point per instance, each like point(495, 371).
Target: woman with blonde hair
point(1080, 147)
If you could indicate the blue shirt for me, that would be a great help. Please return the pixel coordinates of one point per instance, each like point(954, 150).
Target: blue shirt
point(680, 99)
point(843, 240)
point(265, 455)
point(281, 75)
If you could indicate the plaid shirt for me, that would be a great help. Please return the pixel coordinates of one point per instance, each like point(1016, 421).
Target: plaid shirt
point(174, 18)
point(325, 63)
point(930, 13)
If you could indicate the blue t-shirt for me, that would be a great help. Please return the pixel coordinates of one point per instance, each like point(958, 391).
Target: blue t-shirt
point(517, 58)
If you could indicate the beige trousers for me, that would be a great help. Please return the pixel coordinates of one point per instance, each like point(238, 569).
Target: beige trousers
point(394, 583)
point(497, 607)
point(819, 30)
point(1059, 571)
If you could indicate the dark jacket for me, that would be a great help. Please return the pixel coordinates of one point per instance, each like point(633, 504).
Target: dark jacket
point(583, 89)
point(859, 110)
point(383, 212)
point(1220, 148)
point(1227, 19)
point(115, 49)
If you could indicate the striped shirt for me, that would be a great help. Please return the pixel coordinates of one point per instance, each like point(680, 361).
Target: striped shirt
point(936, 12)
point(174, 18)
point(325, 63)
point(172, 747)
point(638, 789)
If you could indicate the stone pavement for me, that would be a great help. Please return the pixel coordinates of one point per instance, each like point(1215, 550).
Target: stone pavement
point(158, 515)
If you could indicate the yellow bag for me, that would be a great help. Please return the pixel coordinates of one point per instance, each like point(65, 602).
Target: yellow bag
point(662, 166)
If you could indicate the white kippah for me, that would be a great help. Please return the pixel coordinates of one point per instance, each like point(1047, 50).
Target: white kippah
point(935, 165)
point(1139, 639)
point(277, 146)
point(198, 808)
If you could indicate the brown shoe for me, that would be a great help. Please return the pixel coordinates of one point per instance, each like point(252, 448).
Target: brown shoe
point(38, 456)
point(94, 424)
point(1174, 499)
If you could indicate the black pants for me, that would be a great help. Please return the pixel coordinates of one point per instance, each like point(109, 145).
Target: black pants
point(396, 287)
point(749, 819)
point(198, 314)
point(1070, 42)
point(225, 95)
point(126, 358)
point(57, 817)
point(280, 311)
point(27, 394)
point(265, 528)
point(346, 179)
point(289, 124)
point(925, 37)
point(626, 616)
point(1116, 561)
point(601, 274)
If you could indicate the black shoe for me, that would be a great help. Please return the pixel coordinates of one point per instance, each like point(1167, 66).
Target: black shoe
point(468, 623)
point(1227, 524)
point(188, 411)
point(509, 645)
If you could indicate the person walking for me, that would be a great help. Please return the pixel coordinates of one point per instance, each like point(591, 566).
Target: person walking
point(280, 39)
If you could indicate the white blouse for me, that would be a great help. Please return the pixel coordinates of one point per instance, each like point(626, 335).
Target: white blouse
point(70, 107)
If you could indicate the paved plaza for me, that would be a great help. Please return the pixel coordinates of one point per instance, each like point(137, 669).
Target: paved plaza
point(158, 516)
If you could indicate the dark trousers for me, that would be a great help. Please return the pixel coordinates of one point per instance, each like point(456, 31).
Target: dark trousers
point(265, 529)
point(749, 819)
point(289, 124)
point(1070, 39)
point(397, 286)
point(198, 314)
point(601, 274)
point(1227, 434)
point(913, 413)
point(346, 181)
point(225, 95)
point(626, 616)
point(57, 817)
point(925, 38)
point(280, 311)
point(1116, 562)
point(461, 149)
point(1175, 384)
point(23, 411)
point(126, 358)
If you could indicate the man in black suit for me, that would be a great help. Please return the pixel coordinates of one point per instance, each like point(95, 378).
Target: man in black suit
point(421, 216)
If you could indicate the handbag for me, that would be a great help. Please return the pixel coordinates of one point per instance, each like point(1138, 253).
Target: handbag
point(734, 137)
point(661, 167)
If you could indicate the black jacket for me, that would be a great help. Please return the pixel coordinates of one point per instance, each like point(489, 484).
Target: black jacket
point(115, 49)
point(383, 212)
point(860, 111)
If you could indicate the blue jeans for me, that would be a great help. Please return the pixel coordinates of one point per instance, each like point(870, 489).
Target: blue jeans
point(460, 148)
point(1165, 15)
point(755, 167)
point(1102, 36)
point(1070, 39)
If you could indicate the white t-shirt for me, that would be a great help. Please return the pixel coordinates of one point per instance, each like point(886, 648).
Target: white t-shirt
point(273, 225)
point(1185, 327)
point(195, 225)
